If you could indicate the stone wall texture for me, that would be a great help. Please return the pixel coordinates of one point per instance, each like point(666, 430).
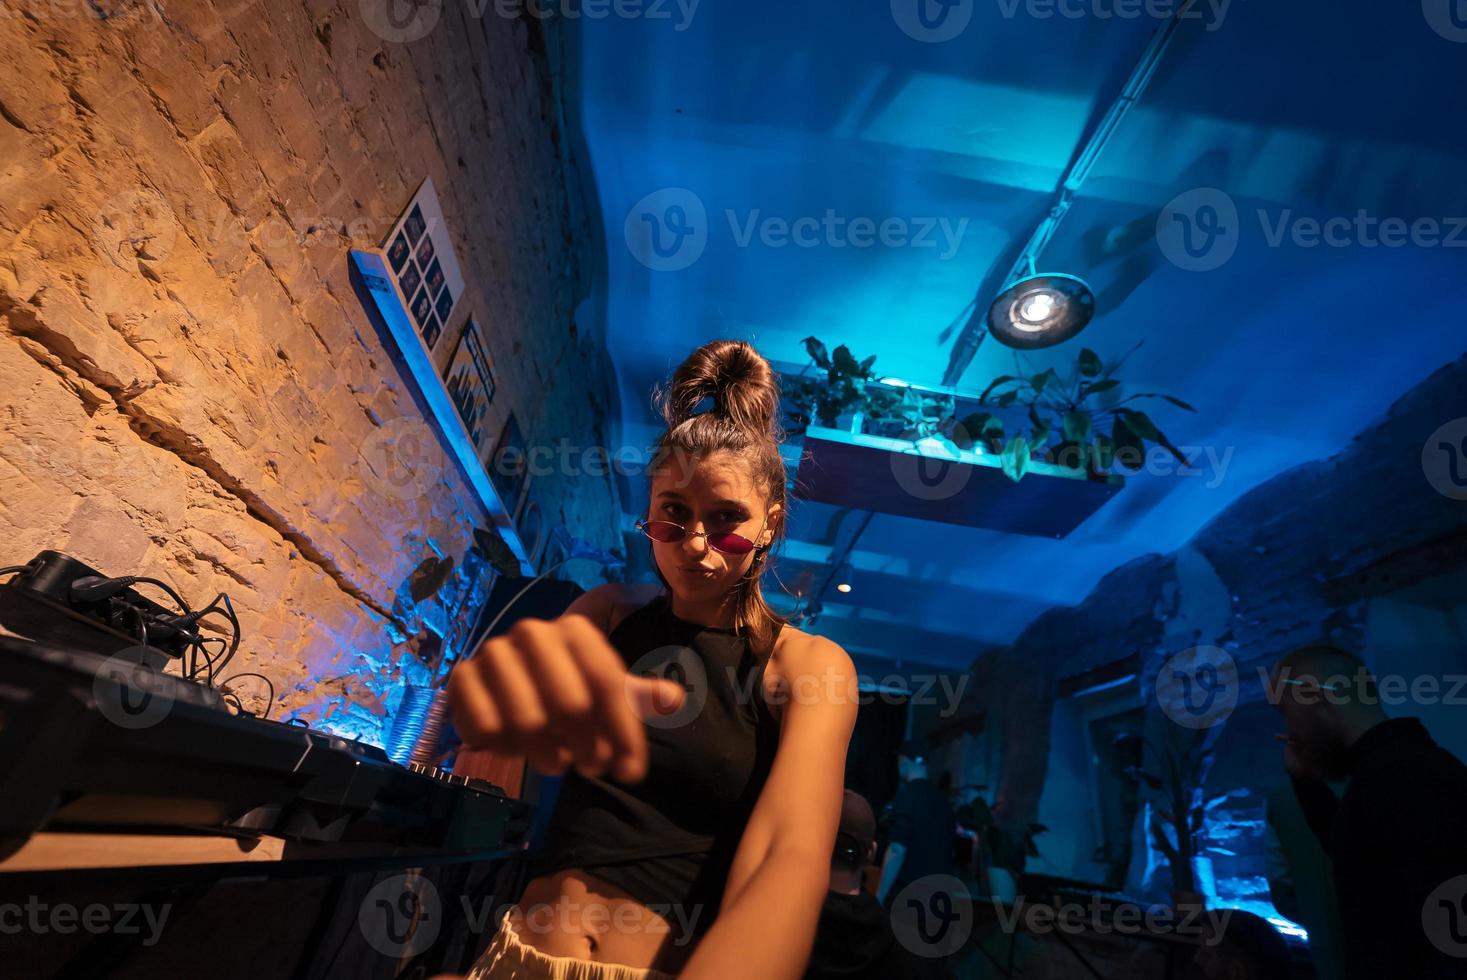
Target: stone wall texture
point(192, 388)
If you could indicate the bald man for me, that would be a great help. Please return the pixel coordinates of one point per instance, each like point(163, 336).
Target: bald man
point(1398, 833)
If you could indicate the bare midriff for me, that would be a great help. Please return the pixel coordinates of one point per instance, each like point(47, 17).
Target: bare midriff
point(573, 913)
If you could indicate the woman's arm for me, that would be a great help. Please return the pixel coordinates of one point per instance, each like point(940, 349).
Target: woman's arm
point(781, 871)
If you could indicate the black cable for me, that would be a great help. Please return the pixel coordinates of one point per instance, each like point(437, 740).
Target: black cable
point(12, 569)
point(251, 673)
point(166, 588)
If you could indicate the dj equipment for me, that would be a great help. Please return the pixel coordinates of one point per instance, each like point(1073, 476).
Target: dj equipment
point(58, 599)
point(87, 742)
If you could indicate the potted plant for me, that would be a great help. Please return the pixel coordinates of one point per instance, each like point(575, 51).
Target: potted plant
point(1001, 853)
point(1179, 833)
point(1082, 420)
point(848, 397)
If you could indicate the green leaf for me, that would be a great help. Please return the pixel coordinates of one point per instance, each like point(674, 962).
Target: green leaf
point(1103, 453)
point(1042, 380)
point(1142, 775)
point(1141, 424)
point(1077, 426)
point(1007, 399)
point(845, 362)
point(865, 367)
point(1016, 458)
point(1175, 401)
point(1090, 365)
point(971, 429)
point(1002, 379)
point(1094, 389)
point(1129, 451)
point(817, 352)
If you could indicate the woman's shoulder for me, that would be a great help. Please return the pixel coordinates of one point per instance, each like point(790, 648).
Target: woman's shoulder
point(607, 605)
point(797, 652)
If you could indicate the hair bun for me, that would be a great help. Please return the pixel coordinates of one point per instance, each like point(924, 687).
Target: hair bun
point(738, 379)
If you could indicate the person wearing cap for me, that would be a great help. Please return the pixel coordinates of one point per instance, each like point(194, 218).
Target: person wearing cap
point(922, 826)
point(854, 938)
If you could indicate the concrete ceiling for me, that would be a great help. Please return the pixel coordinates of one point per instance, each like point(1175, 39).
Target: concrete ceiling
point(1298, 110)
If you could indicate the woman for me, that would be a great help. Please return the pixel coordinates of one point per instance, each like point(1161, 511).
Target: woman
point(715, 791)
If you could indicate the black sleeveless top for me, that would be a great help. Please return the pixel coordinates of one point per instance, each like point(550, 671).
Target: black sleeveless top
point(670, 840)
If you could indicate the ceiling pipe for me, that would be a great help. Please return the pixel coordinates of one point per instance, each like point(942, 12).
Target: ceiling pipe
point(975, 331)
point(838, 557)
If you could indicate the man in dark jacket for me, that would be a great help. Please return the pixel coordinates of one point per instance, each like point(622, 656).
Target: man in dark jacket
point(1397, 838)
point(854, 939)
point(922, 826)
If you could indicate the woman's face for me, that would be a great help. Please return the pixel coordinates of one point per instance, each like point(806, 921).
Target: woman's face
point(716, 494)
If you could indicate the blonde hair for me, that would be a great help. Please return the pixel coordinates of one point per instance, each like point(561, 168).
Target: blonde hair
point(744, 421)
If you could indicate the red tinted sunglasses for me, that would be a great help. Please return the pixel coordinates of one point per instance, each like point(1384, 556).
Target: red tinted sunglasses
point(725, 542)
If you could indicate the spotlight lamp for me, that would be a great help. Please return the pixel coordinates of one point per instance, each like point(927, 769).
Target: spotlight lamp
point(1041, 311)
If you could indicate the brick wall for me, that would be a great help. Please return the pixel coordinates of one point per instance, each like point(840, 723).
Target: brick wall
point(192, 388)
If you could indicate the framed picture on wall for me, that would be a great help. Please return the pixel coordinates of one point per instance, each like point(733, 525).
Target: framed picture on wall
point(470, 382)
point(424, 266)
point(509, 467)
point(417, 285)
